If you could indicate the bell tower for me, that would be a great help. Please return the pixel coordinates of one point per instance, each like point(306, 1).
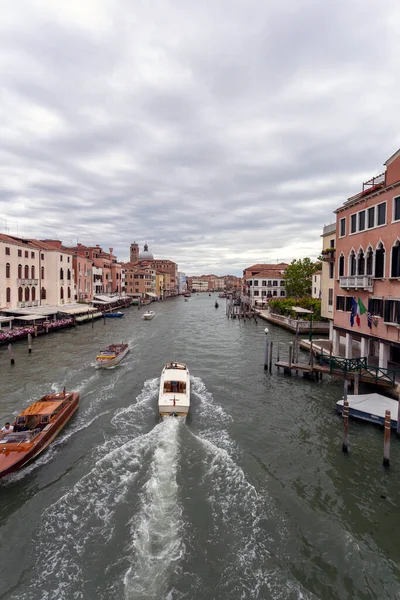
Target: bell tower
point(134, 254)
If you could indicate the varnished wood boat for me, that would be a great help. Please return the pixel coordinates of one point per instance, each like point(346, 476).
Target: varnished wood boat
point(112, 355)
point(35, 428)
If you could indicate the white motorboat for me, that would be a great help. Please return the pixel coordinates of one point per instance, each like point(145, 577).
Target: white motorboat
point(174, 396)
point(148, 315)
point(112, 355)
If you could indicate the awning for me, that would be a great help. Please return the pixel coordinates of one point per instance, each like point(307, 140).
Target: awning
point(300, 310)
point(31, 317)
point(151, 294)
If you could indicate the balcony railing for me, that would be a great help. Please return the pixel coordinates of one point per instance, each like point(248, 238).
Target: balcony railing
point(27, 281)
point(360, 282)
point(329, 254)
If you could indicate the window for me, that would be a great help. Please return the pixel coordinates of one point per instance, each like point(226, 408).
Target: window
point(32, 255)
point(330, 297)
point(353, 223)
point(8, 295)
point(27, 294)
point(315, 290)
point(380, 261)
point(282, 283)
point(331, 270)
point(62, 293)
point(19, 252)
point(256, 293)
point(32, 272)
point(274, 293)
point(341, 265)
point(7, 251)
point(8, 270)
point(263, 293)
point(382, 213)
point(20, 296)
point(352, 264)
point(26, 254)
point(339, 302)
point(69, 293)
point(26, 272)
point(69, 274)
point(42, 256)
point(256, 282)
point(33, 293)
point(264, 283)
point(332, 243)
point(349, 303)
point(370, 261)
point(395, 270)
point(360, 263)
point(61, 274)
point(361, 220)
point(43, 294)
point(275, 283)
point(371, 217)
point(375, 307)
point(343, 227)
point(392, 311)
point(282, 292)
point(42, 272)
point(396, 208)
point(61, 258)
point(19, 271)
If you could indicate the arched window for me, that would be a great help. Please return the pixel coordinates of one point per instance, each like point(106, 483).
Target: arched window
point(43, 293)
point(69, 275)
point(370, 261)
point(380, 261)
point(8, 268)
point(32, 272)
point(341, 265)
point(360, 262)
point(26, 272)
point(61, 274)
point(20, 294)
point(19, 271)
point(42, 272)
point(352, 263)
point(26, 294)
point(33, 293)
point(69, 292)
point(62, 293)
point(8, 295)
point(395, 270)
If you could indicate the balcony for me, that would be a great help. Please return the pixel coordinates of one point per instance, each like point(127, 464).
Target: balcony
point(329, 254)
point(27, 281)
point(357, 282)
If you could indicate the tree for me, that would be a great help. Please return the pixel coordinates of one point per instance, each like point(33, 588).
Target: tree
point(298, 277)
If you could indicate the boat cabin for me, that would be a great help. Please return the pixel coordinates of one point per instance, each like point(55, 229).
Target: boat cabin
point(174, 387)
point(38, 415)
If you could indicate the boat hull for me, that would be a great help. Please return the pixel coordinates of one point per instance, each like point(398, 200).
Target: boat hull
point(12, 459)
point(105, 364)
point(171, 402)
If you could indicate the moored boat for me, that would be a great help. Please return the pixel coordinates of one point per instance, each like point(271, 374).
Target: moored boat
point(117, 314)
point(35, 428)
point(174, 395)
point(148, 315)
point(112, 355)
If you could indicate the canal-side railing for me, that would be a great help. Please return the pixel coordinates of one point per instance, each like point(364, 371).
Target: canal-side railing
point(371, 373)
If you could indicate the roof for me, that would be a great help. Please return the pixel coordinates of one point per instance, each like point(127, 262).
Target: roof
point(392, 158)
point(41, 408)
point(175, 375)
point(272, 274)
point(272, 266)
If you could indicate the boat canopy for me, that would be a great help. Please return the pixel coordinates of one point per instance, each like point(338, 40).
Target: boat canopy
point(41, 408)
point(175, 375)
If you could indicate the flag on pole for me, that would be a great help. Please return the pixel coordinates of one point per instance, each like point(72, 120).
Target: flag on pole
point(353, 313)
point(360, 310)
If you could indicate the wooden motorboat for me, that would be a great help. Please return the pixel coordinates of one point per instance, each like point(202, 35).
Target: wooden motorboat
point(116, 315)
point(174, 395)
point(35, 428)
point(112, 355)
point(148, 315)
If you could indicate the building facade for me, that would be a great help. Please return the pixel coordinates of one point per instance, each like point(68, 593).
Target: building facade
point(264, 286)
point(367, 285)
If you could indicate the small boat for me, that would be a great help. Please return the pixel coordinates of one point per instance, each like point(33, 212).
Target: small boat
point(148, 315)
point(35, 428)
point(371, 407)
point(216, 304)
point(174, 396)
point(209, 294)
point(118, 314)
point(187, 294)
point(112, 355)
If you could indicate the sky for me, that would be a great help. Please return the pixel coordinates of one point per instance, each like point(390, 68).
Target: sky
point(221, 133)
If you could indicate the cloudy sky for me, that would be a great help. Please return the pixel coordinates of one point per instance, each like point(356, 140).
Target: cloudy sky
point(222, 132)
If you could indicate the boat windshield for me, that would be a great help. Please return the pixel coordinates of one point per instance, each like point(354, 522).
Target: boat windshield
point(19, 437)
point(174, 387)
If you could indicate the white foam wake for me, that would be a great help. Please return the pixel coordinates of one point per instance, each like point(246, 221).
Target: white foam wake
point(156, 529)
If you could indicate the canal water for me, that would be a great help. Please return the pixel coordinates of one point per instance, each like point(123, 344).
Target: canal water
point(250, 498)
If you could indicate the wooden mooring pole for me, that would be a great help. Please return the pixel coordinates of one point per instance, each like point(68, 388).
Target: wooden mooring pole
point(386, 441)
point(29, 343)
point(10, 352)
point(270, 355)
point(356, 382)
point(345, 445)
point(398, 418)
point(266, 349)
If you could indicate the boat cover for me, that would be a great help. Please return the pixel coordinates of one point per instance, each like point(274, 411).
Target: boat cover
point(373, 404)
point(41, 408)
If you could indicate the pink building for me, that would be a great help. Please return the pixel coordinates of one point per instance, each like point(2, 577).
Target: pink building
point(107, 261)
point(367, 257)
point(83, 271)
